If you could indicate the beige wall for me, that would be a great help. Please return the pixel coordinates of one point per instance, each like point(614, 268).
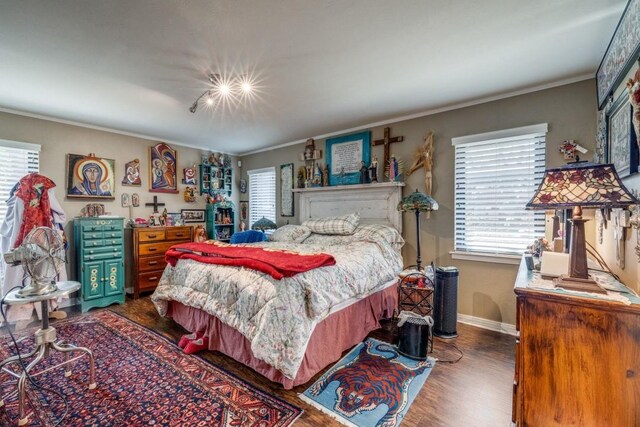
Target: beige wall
point(57, 140)
point(486, 289)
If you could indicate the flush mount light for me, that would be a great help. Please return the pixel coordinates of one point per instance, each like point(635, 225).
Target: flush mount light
point(223, 88)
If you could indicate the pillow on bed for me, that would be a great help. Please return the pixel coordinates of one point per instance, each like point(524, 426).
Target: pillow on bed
point(379, 232)
point(341, 225)
point(290, 234)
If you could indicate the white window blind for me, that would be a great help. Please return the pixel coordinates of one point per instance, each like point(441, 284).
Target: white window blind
point(262, 194)
point(17, 160)
point(496, 174)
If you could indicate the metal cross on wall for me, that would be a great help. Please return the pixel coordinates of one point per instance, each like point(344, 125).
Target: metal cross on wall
point(155, 204)
point(387, 141)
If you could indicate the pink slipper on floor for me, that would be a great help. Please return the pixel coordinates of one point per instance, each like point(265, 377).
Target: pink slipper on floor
point(197, 345)
point(186, 339)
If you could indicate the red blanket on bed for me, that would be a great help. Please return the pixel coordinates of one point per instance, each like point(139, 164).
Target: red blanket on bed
point(277, 263)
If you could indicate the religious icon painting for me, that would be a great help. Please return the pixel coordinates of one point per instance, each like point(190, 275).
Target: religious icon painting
point(125, 201)
point(135, 200)
point(90, 177)
point(190, 175)
point(162, 169)
point(132, 173)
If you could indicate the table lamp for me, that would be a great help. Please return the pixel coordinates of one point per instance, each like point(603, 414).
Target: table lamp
point(580, 185)
point(418, 202)
point(264, 224)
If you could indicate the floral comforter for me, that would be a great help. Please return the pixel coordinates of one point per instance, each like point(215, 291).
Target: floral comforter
point(278, 316)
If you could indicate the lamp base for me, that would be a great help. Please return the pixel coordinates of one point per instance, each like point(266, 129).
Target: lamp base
point(577, 284)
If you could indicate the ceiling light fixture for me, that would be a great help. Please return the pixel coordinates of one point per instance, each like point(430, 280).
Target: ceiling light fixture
point(223, 88)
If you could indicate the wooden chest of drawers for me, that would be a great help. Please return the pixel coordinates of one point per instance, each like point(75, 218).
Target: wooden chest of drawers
point(147, 247)
point(577, 357)
point(100, 265)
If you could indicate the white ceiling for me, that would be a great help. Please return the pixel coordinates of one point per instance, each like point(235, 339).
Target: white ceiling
point(323, 65)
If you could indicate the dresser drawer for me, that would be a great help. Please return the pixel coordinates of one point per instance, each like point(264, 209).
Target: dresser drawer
point(180, 233)
point(91, 228)
point(93, 243)
point(113, 227)
point(151, 235)
point(104, 256)
point(154, 248)
point(101, 250)
point(152, 263)
point(113, 241)
point(112, 234)
point(92, 235)
point(149, 280)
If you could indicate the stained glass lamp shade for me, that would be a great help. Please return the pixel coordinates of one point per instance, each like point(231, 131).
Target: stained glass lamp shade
point(264, 224)
point(418, 202)
point(580, 185)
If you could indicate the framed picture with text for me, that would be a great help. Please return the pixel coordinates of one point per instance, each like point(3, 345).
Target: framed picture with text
point(345, 156)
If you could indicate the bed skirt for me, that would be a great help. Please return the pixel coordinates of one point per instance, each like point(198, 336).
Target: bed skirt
point(331, 337)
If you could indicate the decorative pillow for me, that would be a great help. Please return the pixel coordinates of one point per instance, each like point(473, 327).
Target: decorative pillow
point(290, 234)
point(342, 225)
point(379, 232)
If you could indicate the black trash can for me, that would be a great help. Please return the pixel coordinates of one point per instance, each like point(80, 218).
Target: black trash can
point(414, 337)
point(445, 307)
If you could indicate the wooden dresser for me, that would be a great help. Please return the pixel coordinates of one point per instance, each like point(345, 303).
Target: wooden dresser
point(147, 247)
point(577, 357)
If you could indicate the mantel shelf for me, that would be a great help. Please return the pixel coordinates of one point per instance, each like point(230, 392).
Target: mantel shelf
point(349, 187)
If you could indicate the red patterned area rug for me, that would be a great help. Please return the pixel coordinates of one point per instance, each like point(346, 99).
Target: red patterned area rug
point(143, 379)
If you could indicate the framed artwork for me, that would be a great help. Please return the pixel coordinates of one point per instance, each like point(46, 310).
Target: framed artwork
point(621, 138)
point(132, 173)
point(190, 175)
point(175, 218)
point(90, 177)
point(622, 52)
point(243, 185)
point(135, 200)
point(244, 210)
point(286, 189)
point(162, 169)
point(193, 215)
point(345, 155)
point(124, 200)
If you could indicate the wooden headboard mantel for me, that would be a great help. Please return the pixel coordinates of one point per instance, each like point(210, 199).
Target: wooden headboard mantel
point(376, 203)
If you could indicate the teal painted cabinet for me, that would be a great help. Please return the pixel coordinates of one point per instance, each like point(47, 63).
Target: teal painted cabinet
point(99, 244)
point(220, 221)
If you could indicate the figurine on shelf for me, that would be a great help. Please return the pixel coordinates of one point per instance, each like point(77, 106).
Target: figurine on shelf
point(309, 149)
point(302, 176)
point(242, 226)
point(364, 173)
point(163, 217)
point(317, 176)
point(373, 170)
point(325, 176)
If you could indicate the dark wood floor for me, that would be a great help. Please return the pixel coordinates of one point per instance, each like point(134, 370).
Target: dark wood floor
point(473, 392)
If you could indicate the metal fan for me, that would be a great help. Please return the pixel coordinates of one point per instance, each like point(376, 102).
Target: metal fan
point(43, 256)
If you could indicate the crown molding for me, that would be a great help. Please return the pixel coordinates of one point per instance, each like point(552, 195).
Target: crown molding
point(452, 107)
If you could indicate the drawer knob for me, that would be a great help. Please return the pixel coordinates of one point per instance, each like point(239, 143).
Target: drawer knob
point(90, 252)
point(153, 262)
point(153, 249)
point(153, 279)
point(152, 236)
point(179, 234)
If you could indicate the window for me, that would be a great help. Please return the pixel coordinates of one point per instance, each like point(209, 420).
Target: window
point(262, 194)
point(18, 159)
point(496, 174)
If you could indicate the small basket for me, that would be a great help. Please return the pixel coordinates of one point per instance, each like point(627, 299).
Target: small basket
point(413, 298)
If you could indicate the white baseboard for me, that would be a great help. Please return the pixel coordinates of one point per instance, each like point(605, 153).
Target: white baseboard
point(492, 325)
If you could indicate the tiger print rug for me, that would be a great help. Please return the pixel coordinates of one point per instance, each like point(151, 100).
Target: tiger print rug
point(373, 385)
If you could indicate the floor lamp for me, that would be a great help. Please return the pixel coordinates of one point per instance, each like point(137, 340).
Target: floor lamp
point(418, 202)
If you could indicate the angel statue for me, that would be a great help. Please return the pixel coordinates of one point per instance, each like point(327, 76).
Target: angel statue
point(424, 158)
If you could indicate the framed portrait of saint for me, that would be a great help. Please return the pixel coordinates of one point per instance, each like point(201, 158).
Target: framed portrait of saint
point(90, 177)
point(132, 173)
point(162, 169)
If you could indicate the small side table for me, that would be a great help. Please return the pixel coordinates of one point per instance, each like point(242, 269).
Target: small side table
point(45, 340)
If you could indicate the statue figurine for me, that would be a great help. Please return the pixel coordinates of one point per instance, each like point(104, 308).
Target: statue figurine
point(302, 176)
point(325, 176)
point(373, 169)
point(364, 173)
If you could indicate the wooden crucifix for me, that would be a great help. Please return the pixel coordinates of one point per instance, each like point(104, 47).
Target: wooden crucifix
point(155, 204)
point(387, 141)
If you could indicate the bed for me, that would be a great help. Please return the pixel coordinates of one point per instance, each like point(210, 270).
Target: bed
point(290, 329)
